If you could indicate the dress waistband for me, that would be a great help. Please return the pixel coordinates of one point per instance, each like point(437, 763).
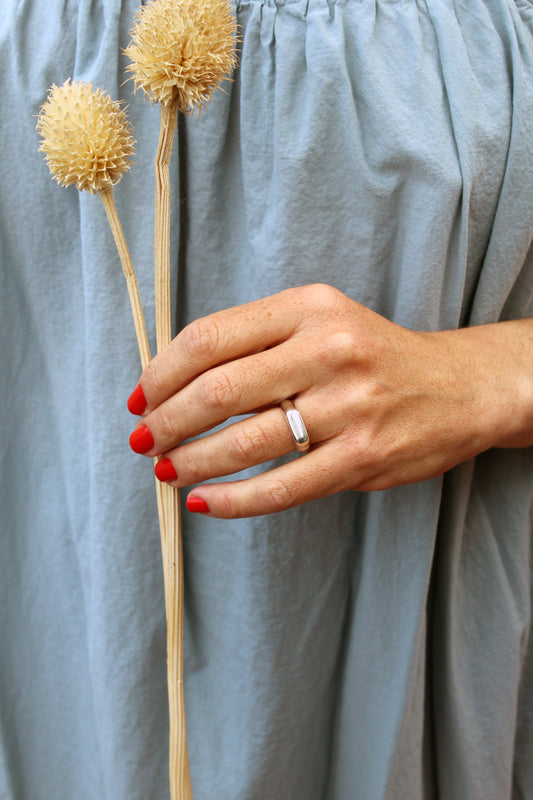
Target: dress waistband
point(302, 6)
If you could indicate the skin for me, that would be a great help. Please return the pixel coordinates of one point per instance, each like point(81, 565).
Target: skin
point(384, 406)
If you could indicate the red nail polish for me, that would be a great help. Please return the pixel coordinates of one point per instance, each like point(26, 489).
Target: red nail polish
point(141, 440)
point(164, 470)
point(197, 504)
point(137, 401)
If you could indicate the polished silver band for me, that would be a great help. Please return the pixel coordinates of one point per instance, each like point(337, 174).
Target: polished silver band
point(296, 425)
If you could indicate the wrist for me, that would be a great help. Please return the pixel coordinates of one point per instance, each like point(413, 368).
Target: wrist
point(504, 371)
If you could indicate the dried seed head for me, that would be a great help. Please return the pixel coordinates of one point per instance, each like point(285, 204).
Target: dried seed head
point(181, 50)
point(85, 137)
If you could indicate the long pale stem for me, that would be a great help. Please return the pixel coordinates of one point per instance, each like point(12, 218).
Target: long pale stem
point(162, 225)
point(135, 301)
point(129, 273)
point(171, 533)
point(180, 782)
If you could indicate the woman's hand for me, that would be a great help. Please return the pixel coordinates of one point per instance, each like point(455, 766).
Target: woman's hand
point(383, 405)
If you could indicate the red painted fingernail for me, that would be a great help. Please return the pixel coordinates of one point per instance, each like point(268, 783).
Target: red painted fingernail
point(141, 440)
point(164, 470)
point(197, 504)
point(137, 401)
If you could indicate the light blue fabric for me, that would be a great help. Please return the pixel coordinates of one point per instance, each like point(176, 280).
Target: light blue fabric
point(363, 647)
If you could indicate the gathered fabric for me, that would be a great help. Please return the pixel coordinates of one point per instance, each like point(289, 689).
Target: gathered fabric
point(367, 646)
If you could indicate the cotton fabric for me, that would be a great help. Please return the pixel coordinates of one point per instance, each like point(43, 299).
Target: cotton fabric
point(363, 647)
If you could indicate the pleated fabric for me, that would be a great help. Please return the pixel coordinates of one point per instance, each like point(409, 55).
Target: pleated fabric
point(368, 646)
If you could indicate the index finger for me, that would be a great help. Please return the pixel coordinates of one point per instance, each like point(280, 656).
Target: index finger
point(216, 339)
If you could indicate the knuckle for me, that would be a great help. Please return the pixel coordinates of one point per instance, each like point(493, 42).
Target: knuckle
point(339, 349)
point(218, 392)
point(226, 507)
point(250, 443)
point(190, 468)
point(321, 294)
point(166, 425)
point(201, 339)
point(369, 474)
point(344, 344)
point(280, 495)
point(156, 378)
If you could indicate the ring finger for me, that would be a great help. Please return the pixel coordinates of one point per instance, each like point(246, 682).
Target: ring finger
point(247, 443)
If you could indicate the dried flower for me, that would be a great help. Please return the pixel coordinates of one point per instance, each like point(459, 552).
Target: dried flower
point(85, 137)
point(181, 50)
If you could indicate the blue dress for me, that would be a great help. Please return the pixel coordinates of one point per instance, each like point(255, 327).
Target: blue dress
point(368, 646)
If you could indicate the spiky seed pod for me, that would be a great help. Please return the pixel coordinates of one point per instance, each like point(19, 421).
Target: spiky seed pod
point(181, 50)
point(86, 137)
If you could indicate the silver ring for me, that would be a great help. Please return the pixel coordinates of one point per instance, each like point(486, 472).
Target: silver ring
point(296, 425)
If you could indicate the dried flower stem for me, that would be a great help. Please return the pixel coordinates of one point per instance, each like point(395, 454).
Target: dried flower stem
point(162, 224)
point(135, 301)
point(180, 781)
point(129, 273)
point(171, 529)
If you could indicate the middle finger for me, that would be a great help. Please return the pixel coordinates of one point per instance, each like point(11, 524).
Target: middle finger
point(232, 389)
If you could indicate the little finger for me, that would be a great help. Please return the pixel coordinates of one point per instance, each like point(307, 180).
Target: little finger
point(318, 473)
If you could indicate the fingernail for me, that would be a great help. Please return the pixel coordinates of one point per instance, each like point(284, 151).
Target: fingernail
point(197, 504)
point(137, 401)
point(141, 440)
point(164, 470)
